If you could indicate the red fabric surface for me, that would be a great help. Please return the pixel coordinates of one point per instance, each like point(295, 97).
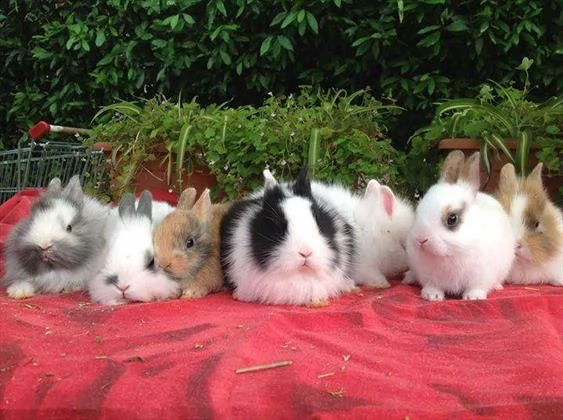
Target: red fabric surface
point(373, 354)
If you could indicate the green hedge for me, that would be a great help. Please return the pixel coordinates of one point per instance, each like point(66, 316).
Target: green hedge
point(65, 59)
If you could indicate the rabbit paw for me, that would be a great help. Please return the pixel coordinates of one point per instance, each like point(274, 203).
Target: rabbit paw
point(409, 278)
point(21, 290)
point(318, 303)
point(475, 294)
point(432, 293)
point(374, 280)
point(194, 291)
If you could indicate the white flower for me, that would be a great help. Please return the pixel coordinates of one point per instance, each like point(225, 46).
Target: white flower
point(226, 167)
point(273, 114)
point(292, 134)
point(283, 163)
point(301, 119)
point(270, 94)
point(262, 134)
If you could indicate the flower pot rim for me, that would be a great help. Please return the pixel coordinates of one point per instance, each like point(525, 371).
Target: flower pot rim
point(466, 143)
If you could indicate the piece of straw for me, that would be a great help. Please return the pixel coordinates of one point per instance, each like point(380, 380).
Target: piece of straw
point(264, 367)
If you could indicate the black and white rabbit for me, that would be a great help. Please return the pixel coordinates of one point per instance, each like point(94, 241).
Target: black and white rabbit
point(59, 247)
point(284, 247)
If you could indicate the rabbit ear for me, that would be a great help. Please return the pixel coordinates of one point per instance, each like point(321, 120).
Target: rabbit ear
point(127, 205)
point(452, 167)
point(508, 182)
point(187, 199)
point(372, 189)
point(302, 186)
point(202, 207)
point(55, 185)
point(471, 171)
point(144, 208)
point(269, 179)
point(384, 195)
point(73, 190)
point(535, 175)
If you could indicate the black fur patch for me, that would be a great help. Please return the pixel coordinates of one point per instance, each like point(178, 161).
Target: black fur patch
point(326, 223)
point(302, 185)
point(227, 227)
point(268, 229)
point(149, 261)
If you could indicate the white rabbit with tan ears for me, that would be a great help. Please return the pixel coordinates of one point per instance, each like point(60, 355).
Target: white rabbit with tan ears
point(538, 227)
point(462, 241)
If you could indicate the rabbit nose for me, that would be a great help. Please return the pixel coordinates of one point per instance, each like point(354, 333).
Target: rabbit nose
point(123, 288)
point(306, 253)
point(45, 247)
point(518, 245)
point(422, 241)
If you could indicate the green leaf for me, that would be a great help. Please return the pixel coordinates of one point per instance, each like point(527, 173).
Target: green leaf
point(221, 8)
point(225, 57)
point(174, 21)
point(430, 40)
point(525, 64)
point(312, 21)
point(484, 149)
point(428, 29)
point(188, 19)
point(498, 143)
point(523, 152)
point(265, 47)
point(285, 42)
point(401, 10)
point(239, 68)
point(100, 38)
point(458, 25)
point(301, 15)
point(291, 16)
point(314, 147)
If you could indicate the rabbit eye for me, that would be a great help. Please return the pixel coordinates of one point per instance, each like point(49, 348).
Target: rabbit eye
point(189, 242)
point(150, 264)
point(536, 224)
point(69, 228)
point(452, 220)
point(149, 261)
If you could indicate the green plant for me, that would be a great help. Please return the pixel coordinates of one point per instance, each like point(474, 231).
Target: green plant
point(341, 136)
point(63, 60)
point(504, 113)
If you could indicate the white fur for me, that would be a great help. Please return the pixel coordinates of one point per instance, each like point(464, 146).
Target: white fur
point(47, 227)
point(525, 270)
point(380, 237)
point(127, 246)
point(287, 280)
point(472, 260)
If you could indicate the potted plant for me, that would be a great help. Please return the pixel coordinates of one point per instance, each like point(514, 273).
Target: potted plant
point(343, 137)
point(150, 145)
point(506, 126)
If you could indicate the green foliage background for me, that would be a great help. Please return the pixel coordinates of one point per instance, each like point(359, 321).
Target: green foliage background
point(64, 59)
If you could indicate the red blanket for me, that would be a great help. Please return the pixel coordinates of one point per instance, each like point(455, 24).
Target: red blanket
point(373, 354)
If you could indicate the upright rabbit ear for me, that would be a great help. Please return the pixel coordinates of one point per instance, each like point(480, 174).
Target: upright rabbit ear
point(269, 179)
point(452, 166)
point(535, 175)
point(127, 205)
point(55, 185)
point(372, 189)
point(202, 207)
point(508, 181)
point(302, 185)
point(187, 199)
point(73, 190)
point(383, 194)
point(144, 208)
point(471, 172)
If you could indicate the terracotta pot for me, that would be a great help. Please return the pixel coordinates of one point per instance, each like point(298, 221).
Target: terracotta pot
point(552, 182)
point(151, 175)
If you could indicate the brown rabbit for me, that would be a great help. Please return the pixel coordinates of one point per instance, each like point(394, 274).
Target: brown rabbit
point(186, 244)
point(537, 225)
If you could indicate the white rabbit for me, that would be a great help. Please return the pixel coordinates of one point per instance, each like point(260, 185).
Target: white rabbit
point(383, 223)
point(461, 242)
point(129, 273)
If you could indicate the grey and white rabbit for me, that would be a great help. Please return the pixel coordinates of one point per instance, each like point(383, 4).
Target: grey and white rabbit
point(59, 246)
